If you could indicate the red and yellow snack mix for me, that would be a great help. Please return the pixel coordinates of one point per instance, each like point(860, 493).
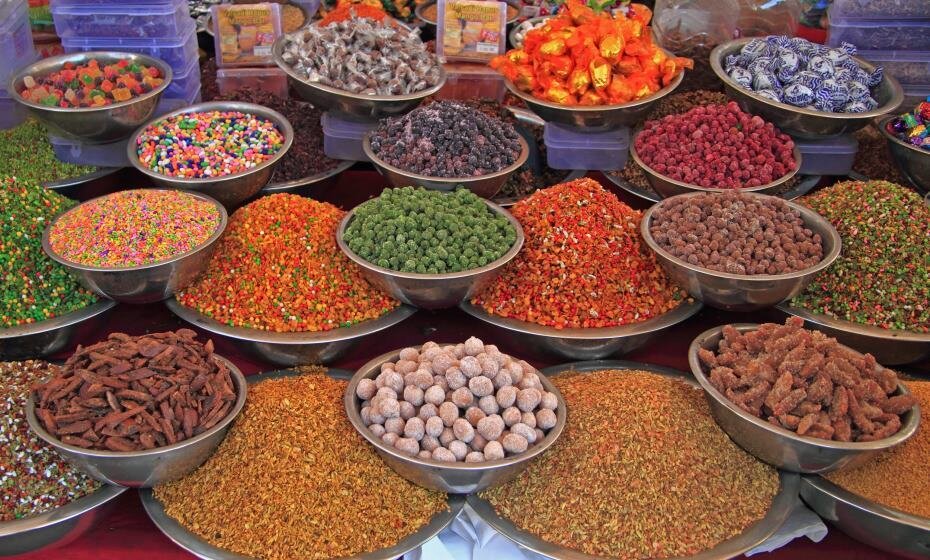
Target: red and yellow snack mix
point(92, 85)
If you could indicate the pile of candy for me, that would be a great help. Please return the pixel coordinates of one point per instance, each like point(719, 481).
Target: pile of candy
point(89, 85)
point(913, 127)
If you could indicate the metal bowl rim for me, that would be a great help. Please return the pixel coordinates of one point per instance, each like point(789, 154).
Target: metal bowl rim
point(80, 179)
point(72, 509)
point(309, 180)
point(883, 126)
point(908, 425)
point(60, 321)
point(354, 415)
point(808, 215)
point(824, 486)
point(511, 35)
point(852, 327)
point(238, 381)
point(417, 11)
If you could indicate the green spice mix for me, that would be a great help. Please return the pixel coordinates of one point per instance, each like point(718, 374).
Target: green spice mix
point(26, 153)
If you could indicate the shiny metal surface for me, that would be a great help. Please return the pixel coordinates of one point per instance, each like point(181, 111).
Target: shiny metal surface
point(804, 186)
point(454, 478)
point(585, 344)
point(144, 469)
point(777, 446)
point(432, 291)
point(44, 338)
point(297, 348)
point(742, 292)
point(914, 162)
point(890, 347)
point(884, 528)
point(145, 283)
point(230, 190)
point(307, 185)
point(65, 186)
point(753, 536)
point(93, 125)
point(485, 186)
point(42, 533)
point(805, 123)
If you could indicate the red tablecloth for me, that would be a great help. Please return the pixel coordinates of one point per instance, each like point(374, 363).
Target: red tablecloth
point(127, 532)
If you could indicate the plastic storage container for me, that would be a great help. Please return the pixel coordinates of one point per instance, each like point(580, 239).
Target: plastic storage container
point(342, 139)
point(909, 67)
point(185, 83)
point(467, 80)
point(243, 34)
point(567, 148)
point(880, 34)
point(168, 104)
point(16, 48)
point(272, 80)
point(832, 156)
point(880, 9)
point(12, 114)
point(177, 52)
point(122, 20)
point(912, 96)
point(99, 155)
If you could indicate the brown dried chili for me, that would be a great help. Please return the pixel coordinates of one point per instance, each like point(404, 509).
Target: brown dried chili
point(641, 471)
point(293, 479)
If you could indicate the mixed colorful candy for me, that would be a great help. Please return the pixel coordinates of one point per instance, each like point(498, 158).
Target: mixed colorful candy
point(90, 85)
point(913, 127)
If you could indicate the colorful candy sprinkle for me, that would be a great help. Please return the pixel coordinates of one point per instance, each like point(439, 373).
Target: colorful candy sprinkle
point(89, 85)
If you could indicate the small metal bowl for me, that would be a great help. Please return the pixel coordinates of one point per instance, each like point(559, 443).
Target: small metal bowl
point(512, 36)
point(914, 162)
point(70, 185)
point(585, 344)
point(780, 447)
point(230, 190)
point(151, 467)
point(743, 292)
point(485, 186)
point(145, 283)
point(92, 125)
point(294, 348)
point(799, 122)
point(58, 527)
point(454, 478)
point(418, 11)
point(44, 338)
point(306, 186)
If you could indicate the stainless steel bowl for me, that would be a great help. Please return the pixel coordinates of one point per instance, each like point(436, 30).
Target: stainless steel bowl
point(889, 346)
point(418, 11)
point(884, 528)
point(44, 338)
point(232, 189)
point(805, 123)
point(742, 292)
point(144, 469)
point(310, 184)
point(47, 531)
point(585, 344)
point(914, 162)
point(780, 447)
point(92, 125)
point(144, 283)
point(512, 36)
point(432, 291)
point(71, 184)
point(454, 478)
point(294, 348)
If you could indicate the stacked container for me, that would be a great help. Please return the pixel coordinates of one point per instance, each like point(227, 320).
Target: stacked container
point(17, 51)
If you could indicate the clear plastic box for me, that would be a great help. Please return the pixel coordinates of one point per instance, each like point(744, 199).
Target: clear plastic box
point(880, 9)
point(830, 156)
point(272, 80)
point(908, 67)
point(12, 114)
point(16, 45)
point(880, 34)
point(342, 138)
point(122, 20)
point(169, 104)
point(243, 34)
point(912, 96)
point(177, 52)
point(184, 84)
point(568, 148)
point(468, 80)
point(310, 7)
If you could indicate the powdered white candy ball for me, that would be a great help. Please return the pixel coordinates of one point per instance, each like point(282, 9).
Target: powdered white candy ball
point(424, 454)
point(446, 436)
point(428, 354)
point(435, 395)
point(407, 410)
point(463, 397)
point(524, 431)
point(470, 366)
point(404, 367)
point(386, 392)
point(528, 399)
point(394, 425)
point(377, 429)
point(459, 449)
point(493, 451)
point(455, 378)
point(429, 344)
point(511, 416)
point(442, 361)
point(366, 389)
point(440, 380)
point(491, 427)
point(410, 354)
point(506, 396)
point(527, 368)
point(429, 443)
point(514, 443)
point(413, 395)
point(488, 404)
point(394, 381)
point(474, 415)
point(427, 411)
point(410, 379)
point(502, 379)
point(463, 431)
point(434, 426)
point(386, 366)
point(489, 366)
point(481, 386)
point(529, 419)
point(389, 408)
point(375, 416)
point(423, 379)
point(407, 445)
point(478, 443)
point(459, 351)
point(474, 457)
point(474, 346)
point(390, 438)
point(549, 400)
point(444, 455)
point(415, 428)
point(365, 413)
point(539, 434)
point(546, 419)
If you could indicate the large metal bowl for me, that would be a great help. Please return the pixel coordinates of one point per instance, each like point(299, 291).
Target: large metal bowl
point(914, 162)
point(70, 185)
point(585, 344)
point(294, 348)
point(454, 478)
point(144, 283)
point(485, 186)
point(742, 292)
point(884, 528)
point(92, 125)
point(232, 189)
point(44, 338)
point(307, 186)
point(151, 467)
point(799, 122)
point(780, 447)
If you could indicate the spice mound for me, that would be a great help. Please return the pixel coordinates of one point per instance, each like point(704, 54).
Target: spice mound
point(464, 402)
point(35, 287)
point(446, 139)
point(717, 146)
point(912, 127)
point(278, 268)
point(647, 442)
point(206, 144)
point(882, 277)
point(27, 154)
point(583, 264)
point(806, 382)
point(293, 479)
point(133, 228)
point(91, 85)
point(429, 232)
point(897, 478)
point(34, 478)
point(363, 56)
point(131, 393)
point(735, 233)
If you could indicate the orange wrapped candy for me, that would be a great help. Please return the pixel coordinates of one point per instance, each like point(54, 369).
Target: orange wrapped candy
point(584, 57)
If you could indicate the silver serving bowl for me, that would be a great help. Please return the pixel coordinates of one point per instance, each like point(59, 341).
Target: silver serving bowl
point(294, 348)
point(454, 478)
point(92, 125)
point(432, 291)
point(44, 338)
point(145, 283)
point(309, 184)
point(884, 528)
point(799, 122)
point(230, 190)
point(151, 467)
point(418, 11)
point(743, 292)
point(754, 535)
point(585, 344)
point(914, 162)
point(47, 531)
point(780, 447)
point(890, 347)
point(69, 185)
point(526, 24)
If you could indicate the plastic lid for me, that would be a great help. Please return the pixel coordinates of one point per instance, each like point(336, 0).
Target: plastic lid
point(111, 43)
point(894, 56)
point(565, 137)
point(841, 21)
point(128, 10)
point(344, 128)
point(846, 144)
point(264, 71)
point(13, 14)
